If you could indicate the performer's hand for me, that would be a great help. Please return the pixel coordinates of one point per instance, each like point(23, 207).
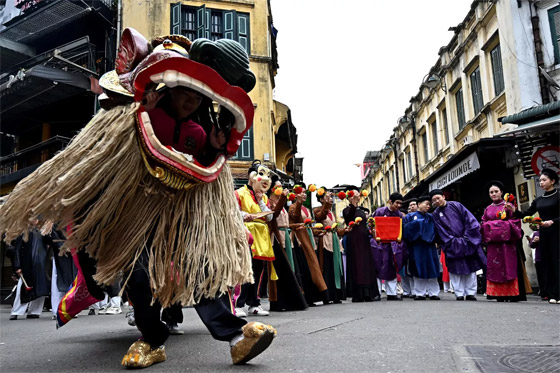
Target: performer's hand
point(258, 195)
point(150, 100)
point(285, 192)
point(301, 226)
point(536, 239)
point(217, 138)
point(248, 217)
point(547, 223)
point(18, 272)
point(509, 206)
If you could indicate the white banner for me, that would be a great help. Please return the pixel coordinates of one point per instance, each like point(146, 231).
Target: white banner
point(466, 166)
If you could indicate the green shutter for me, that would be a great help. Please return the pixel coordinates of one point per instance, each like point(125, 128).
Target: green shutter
point(201, 24)
point(243, 31)
point(176, 18)
point(230, 26)
point(554, 20)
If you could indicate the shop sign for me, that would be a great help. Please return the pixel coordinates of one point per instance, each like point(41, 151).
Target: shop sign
point(465, 167)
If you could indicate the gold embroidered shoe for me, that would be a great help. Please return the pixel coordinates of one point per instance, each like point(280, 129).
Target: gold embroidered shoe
point(142, 355)
point(256, 338)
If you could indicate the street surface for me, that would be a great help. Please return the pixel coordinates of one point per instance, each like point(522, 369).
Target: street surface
point(407, 336)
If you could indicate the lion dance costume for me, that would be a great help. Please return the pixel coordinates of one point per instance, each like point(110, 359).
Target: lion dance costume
point(163, 219)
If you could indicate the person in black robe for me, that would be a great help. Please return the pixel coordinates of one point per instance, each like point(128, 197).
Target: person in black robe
point(548, 207)
point(361, 277)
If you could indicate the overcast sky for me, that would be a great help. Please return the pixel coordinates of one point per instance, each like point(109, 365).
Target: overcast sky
point(348, 70)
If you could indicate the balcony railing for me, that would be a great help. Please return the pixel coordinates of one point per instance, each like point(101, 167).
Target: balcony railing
point(33, 155)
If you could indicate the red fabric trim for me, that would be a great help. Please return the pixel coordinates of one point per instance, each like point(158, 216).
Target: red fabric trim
point(304, 209)
point(238, 199)
point(264, 258)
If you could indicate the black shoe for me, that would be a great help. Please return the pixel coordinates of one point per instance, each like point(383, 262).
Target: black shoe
point(470, 297)
point(337, 302)
point(368, 299)
point(32, 316)
point(419, 298)
point(357, 300)
point(407, 296)
point(325, 302)
point(393, 297)
point(377, 298)
point(13, 317)
point(91, 312)
point(434, 297)
point(460, 298)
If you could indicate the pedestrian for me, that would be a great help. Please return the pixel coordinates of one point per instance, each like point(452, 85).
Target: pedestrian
point(63, 271)
point(501, 233)
point(459, 234)
point(420, 235)
point(389, 257)
point(252, 202)
point(548, 207)
point(312, 281)
point(407, 280)
point(361, 278)
point(534, 243)
point(285, 293)
point(30, 265)
point(329, 249)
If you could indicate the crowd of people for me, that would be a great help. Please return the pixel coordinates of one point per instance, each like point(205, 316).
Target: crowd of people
point(313, 260)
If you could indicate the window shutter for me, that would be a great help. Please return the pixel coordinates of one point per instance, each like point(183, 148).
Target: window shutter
point(554, 20)
point(230, 26)
point(208, 24)
point(176, 18)
point(243, 31)
point(245, 150)
point(201, 23)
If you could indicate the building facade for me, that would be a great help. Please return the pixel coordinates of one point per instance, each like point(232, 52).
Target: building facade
point(502, 59)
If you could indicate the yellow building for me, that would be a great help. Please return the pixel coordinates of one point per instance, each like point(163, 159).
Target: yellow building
point(272, 138)
point(452, 136)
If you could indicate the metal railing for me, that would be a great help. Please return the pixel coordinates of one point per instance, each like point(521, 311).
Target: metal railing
point(32, 155)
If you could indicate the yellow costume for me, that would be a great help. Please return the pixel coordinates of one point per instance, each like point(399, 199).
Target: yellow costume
point(262, 246)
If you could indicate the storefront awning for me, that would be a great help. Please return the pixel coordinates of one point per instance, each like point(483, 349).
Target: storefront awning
point(465, 167)
point(541, 125)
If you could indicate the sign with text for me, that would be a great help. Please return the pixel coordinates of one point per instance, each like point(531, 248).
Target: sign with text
point(465, 167)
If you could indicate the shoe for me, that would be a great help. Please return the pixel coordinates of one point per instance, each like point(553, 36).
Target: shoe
point(257, 311)
point(130, 317)
point(103, 311)
point(326, 302)
point(460, 298)
point(407, 296)
point(377, 298)
point(174, 329)
point(470, 297)
point(113, 311)
point(91, 312)
point(357, 300)
point(434, 297)
point(337, 301)
point(142, 355)
point(552, 301)
point(368, 299)
point(13, 317)
point(53, 317)
point(393, 297)
point(32, 316)
point(256, 338)
point(239, 312)
point(419, 298)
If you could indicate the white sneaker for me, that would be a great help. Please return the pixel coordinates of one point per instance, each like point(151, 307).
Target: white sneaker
point(553, 301)
point(113, 311)
point(257, 311)
point(130, 317)
point(239, 312)
point(103, 311)
point(174, 329)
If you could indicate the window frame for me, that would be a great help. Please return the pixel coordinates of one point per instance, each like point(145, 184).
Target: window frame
point(497, 69)
point(460, 107)
point(554, 33)
point(476, 90)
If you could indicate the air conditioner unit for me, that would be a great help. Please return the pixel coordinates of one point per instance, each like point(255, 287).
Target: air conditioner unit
point(467, 140)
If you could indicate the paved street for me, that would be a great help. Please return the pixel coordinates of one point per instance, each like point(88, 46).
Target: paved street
point(408, 336)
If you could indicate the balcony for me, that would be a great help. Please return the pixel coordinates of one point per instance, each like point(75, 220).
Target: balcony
point(20, 164)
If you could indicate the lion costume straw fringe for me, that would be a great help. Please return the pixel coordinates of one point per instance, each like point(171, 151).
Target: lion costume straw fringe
point(100, 186)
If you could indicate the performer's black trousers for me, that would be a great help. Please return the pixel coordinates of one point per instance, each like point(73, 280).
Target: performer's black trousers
point(250, 292)
point(214, 313)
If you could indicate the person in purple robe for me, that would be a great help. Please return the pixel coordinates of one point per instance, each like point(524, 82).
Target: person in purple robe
point(459, 233)
point(500, 233)
point(419, 232)
point(361, 279)
point(389, 257)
